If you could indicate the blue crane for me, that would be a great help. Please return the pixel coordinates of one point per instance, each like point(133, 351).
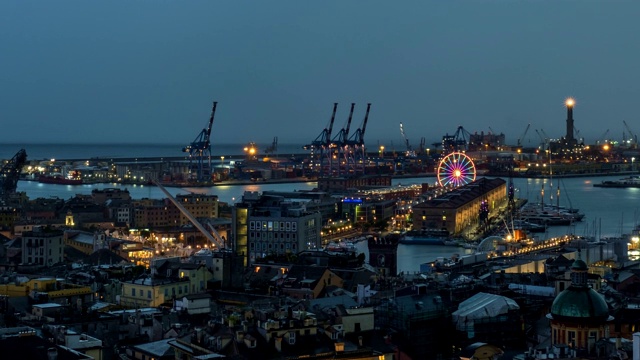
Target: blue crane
point(323, 142)
point(200, 152)
point(356, 142)
point(340, 141)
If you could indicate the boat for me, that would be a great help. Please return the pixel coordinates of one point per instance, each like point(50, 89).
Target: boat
point(628, 182)
point(58, 179)
point(426, 237)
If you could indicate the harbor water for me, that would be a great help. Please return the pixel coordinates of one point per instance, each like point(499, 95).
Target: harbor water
point(609, 211)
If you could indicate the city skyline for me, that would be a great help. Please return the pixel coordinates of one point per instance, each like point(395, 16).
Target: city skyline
point(143, 72)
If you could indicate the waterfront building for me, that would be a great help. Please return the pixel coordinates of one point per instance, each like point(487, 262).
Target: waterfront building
point(270, 225)
point(341, 184)
point(579, 315)
point(100, 196)
point(43, 247)
point(366, 210)
point(458, 209)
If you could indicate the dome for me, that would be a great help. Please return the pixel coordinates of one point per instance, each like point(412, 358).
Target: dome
point(579, 265)
point(580, 303)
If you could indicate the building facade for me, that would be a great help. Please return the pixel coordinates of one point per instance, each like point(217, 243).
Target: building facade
point(460, 208)
point(271, 225)
point(42, 247)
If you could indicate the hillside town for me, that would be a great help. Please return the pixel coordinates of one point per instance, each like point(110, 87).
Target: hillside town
point(105, 276)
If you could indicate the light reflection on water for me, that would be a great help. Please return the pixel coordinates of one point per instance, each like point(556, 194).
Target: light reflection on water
point(609, 211)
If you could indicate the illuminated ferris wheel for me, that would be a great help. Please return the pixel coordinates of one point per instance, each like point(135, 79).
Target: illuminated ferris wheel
point(456, 169)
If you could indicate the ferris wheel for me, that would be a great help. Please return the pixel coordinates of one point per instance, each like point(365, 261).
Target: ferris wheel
point(456, 169)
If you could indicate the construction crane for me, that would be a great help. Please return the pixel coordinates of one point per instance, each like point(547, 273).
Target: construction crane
point(213, 236)
point(633, 138)
point(524, 133)
point(10, 173)
point(200, 152)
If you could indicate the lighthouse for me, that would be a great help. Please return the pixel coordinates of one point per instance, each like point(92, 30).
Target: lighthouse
point(569, 103)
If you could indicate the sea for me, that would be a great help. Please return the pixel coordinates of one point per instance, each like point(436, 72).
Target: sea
point(610, 212)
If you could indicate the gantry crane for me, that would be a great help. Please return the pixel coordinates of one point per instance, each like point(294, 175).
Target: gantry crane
point(459, 141)
point(200, 152)
point(603, 137)
point(10, 172)
point(273, 148)
point(356, 143)
point(410, 152)
point(213, 236)
point(633, 138)
point(340, 142)
point(322, 143)
point(521, 138)
point(543, 141)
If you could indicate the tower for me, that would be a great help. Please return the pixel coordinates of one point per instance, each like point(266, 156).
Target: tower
point(569, 136)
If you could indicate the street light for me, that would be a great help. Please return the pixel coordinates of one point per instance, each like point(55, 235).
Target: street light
point(632, 167)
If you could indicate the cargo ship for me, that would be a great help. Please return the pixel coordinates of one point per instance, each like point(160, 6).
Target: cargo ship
point(58, 179)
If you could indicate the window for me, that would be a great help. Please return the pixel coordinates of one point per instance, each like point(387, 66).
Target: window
point(186, 289)
point(571, 337)
point(148, 294)
point(133, 292)
point(166, 292)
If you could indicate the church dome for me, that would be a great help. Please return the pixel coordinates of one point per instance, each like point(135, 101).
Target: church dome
point(581, 303)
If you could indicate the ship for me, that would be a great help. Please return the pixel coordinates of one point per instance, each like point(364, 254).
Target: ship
point(628, 182)
point(426, 237)
point(58, 179)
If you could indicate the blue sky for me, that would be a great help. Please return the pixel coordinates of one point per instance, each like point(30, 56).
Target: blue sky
point(148, 71)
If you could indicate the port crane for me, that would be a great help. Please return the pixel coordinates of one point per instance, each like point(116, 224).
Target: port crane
point(10, 172)
point(213, 236)
point(200, 152)
point(273, 148)
point(458, 141)
point(323, 142)
point(410, 152)
point(340, 142)
point(524, 133)
point(543, 141)
point(356, 143)
point(633, 138)
point(603, 138)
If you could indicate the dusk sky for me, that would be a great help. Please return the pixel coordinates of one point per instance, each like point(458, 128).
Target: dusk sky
point(148, 71)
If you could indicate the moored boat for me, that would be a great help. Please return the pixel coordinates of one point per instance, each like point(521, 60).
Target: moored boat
point(58, 179)
point(628, 182)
